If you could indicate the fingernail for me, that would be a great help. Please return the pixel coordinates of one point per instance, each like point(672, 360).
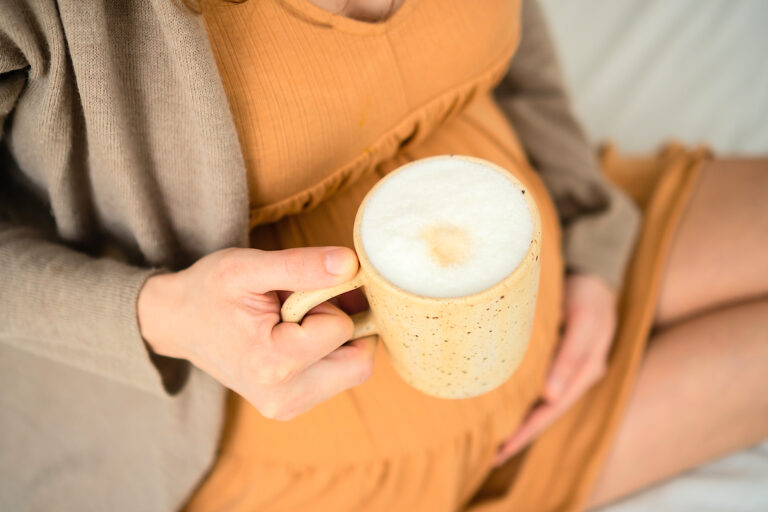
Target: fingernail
point(337, 261)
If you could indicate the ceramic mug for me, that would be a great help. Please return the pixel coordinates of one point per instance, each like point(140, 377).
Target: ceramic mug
point(456, 347)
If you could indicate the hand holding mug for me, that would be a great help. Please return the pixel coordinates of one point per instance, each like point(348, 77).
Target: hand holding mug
point(449, 262)
point(589, 313)
point(223, 315)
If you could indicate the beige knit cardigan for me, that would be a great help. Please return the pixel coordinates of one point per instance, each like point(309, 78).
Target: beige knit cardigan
point(119, 157)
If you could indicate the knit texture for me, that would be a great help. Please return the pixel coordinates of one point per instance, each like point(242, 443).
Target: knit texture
point(119, 159)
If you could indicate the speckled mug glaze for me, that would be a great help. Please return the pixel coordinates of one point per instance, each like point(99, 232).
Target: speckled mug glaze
point(456, 347)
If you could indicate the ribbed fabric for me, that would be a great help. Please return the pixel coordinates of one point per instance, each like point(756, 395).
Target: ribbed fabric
point(558, 471)
point(117, 133)
point(325, 106)
point(334, 143)
point(318, 107)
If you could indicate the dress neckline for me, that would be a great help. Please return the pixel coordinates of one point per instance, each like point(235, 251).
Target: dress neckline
point(347, 24)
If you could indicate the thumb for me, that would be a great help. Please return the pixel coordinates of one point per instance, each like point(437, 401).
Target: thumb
point(304, 268)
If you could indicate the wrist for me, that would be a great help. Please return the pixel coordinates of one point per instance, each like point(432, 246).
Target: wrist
point(153, 309)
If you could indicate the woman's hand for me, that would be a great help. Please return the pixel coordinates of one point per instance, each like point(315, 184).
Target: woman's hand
point(589, 313)
point(223, 315)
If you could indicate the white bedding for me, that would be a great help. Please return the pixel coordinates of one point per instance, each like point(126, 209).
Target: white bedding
point(642, 72)
point(737, 483)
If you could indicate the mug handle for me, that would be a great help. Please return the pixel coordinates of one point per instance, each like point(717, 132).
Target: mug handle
point(296, 306)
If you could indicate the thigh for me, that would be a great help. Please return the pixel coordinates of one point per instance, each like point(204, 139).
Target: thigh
point(700, 394)
point(719, 253)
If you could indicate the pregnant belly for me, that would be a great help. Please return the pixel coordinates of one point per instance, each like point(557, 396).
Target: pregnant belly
point(385, 417)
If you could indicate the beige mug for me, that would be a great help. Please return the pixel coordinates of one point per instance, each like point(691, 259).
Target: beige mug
point(456, 347)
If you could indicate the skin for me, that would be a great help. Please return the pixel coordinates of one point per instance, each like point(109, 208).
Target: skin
point(362, 10)
point(223, 315)
point(712, 306)
point(710, 342)
point(589, 307)
point(223, 312)
point(705, 367)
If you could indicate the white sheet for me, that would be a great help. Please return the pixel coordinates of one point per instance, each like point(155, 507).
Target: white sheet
point(696, 70)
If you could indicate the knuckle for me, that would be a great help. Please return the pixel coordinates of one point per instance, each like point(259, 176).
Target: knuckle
point(228, 267)
point(271, 409)
point(292, 335)
point(279, 410)
point(230, 262)
point(272, 370)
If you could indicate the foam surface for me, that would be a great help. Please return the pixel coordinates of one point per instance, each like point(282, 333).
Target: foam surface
point(446, 227)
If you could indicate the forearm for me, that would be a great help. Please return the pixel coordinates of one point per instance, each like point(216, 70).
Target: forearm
point(65, 305)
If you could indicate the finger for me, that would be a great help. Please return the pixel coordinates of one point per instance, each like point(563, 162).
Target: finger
point(304, 268)
point(293, 347)
point(571, 356)
point(344, 368)
point(583, 374)
point(587, 375)
point(544, 415)
point(537, 421)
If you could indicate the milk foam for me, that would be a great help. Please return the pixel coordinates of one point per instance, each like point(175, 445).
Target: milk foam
point(446, 227)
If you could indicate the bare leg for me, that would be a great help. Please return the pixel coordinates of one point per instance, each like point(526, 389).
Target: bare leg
point(700, 394)
point(701, 388)
point(720, 252)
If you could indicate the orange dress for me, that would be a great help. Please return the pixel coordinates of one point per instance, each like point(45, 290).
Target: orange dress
point(325, 106)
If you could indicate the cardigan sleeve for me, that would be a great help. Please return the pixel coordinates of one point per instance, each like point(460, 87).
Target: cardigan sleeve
point(600, 223)
point(56, 301)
